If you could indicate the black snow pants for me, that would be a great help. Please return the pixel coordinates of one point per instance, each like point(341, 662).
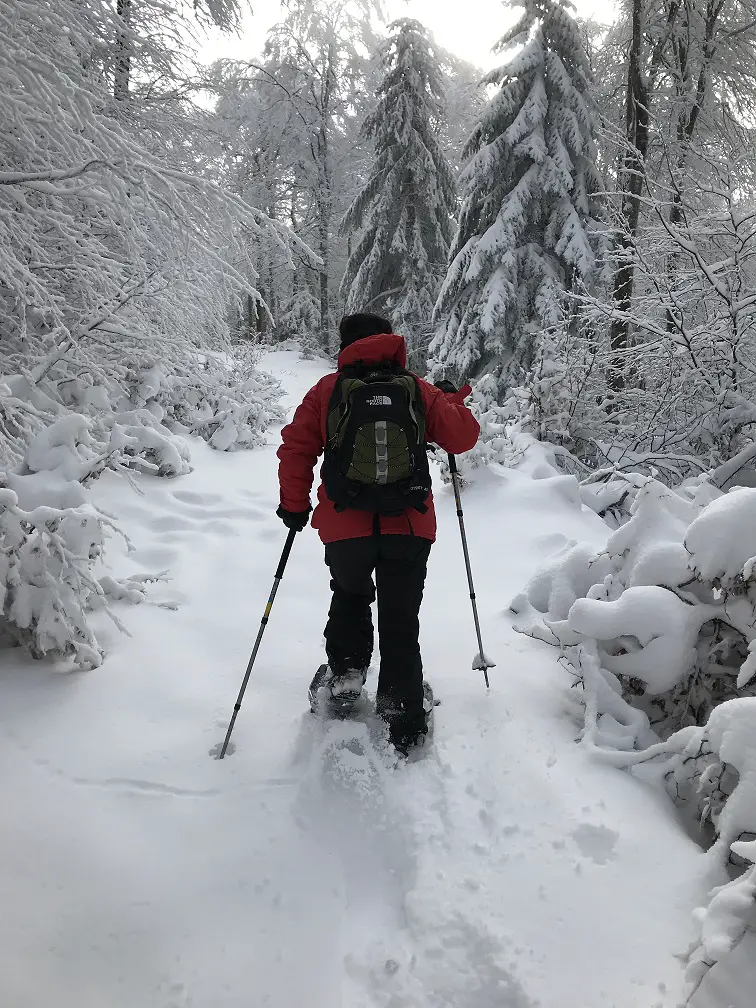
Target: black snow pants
point(399, 563)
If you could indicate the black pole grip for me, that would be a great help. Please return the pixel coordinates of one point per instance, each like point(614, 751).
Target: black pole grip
point(452, 463)
point(285, 555)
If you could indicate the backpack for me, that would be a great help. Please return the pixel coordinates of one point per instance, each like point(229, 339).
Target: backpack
point(375, 455)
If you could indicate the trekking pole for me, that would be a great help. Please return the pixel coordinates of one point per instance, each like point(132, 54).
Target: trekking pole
point(276, 582)
point(480, 661)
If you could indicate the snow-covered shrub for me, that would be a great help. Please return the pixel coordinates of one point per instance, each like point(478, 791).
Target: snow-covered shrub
point(506, 435)
point(45, 578)
point(223, 399)
point(501, 437)
point(668, 606)
point(52, 538)
point(659, 631)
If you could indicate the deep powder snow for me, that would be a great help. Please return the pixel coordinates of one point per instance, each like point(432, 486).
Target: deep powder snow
point(505, 870)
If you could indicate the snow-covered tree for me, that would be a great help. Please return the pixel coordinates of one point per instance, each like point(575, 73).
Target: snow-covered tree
point(142, 57)
point(308, 91)
point(299, 314)
point(529, 209)
point(688, 77)
point(406, 209)
point(117, 266)
point(114, 260)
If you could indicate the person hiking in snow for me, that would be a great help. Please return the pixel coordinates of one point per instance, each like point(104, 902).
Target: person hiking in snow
point(373, 419)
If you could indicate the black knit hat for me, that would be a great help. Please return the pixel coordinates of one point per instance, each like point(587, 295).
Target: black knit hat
point(357, 327)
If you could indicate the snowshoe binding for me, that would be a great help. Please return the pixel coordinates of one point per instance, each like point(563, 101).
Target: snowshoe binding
point(337, 695)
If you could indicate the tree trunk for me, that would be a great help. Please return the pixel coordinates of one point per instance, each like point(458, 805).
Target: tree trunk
point(251, 317)
point(325, 201)
point(271, 299)
point(633, 167)
point(324, 236)
point(640, 84)
point(687, 120)
point(323, 252)
point(122, 68)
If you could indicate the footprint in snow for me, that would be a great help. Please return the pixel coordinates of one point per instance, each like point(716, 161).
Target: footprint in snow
point(189, 497)
point(551, 542)
point(596, 842)
point(157, 556)
point(170, 523)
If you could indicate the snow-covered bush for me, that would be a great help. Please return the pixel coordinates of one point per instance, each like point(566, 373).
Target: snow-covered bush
point(52, 537)
point(669, 605)
point(45, 578)
point(501, 437)
point(506, 435)
point(659, 631)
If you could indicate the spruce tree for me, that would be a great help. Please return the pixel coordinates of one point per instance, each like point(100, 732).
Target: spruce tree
point(406, 209)
point(527, 227)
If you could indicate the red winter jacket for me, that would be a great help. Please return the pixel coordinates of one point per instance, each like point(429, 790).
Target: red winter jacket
point(448, 423)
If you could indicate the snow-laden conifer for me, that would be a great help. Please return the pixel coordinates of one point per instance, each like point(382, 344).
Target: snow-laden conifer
point(406, 209)
point(528, 218)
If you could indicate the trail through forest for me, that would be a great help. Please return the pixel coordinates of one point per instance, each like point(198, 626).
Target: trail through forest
point(505, 869)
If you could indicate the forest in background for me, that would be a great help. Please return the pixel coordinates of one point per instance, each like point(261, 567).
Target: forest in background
point(572, 231)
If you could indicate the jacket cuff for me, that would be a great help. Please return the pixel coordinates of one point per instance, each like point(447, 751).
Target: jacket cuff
point(296, 507)
point(459, 397)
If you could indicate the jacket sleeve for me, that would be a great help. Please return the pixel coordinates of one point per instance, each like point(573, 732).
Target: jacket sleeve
point(448, 422)
point(302, 444)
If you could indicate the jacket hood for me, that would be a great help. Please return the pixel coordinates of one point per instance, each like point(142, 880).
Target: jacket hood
point(373, 349)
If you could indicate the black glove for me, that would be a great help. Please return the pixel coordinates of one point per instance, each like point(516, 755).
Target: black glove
point(294, 519)
point(446, 386)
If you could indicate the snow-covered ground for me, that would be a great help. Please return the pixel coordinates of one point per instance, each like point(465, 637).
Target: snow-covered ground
point(505, 870)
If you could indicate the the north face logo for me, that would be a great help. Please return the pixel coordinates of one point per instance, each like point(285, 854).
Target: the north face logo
point(379, 400)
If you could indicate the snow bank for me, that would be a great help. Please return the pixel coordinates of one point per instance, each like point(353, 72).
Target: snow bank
point(659, 631)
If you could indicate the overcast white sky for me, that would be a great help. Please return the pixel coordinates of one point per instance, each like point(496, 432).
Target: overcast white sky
point(466, 27)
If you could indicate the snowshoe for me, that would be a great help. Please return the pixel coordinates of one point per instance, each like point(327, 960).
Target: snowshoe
point(336, 695)
point(407, 740)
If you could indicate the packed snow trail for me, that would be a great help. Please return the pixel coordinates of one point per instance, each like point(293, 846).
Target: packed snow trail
point(505, 870)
